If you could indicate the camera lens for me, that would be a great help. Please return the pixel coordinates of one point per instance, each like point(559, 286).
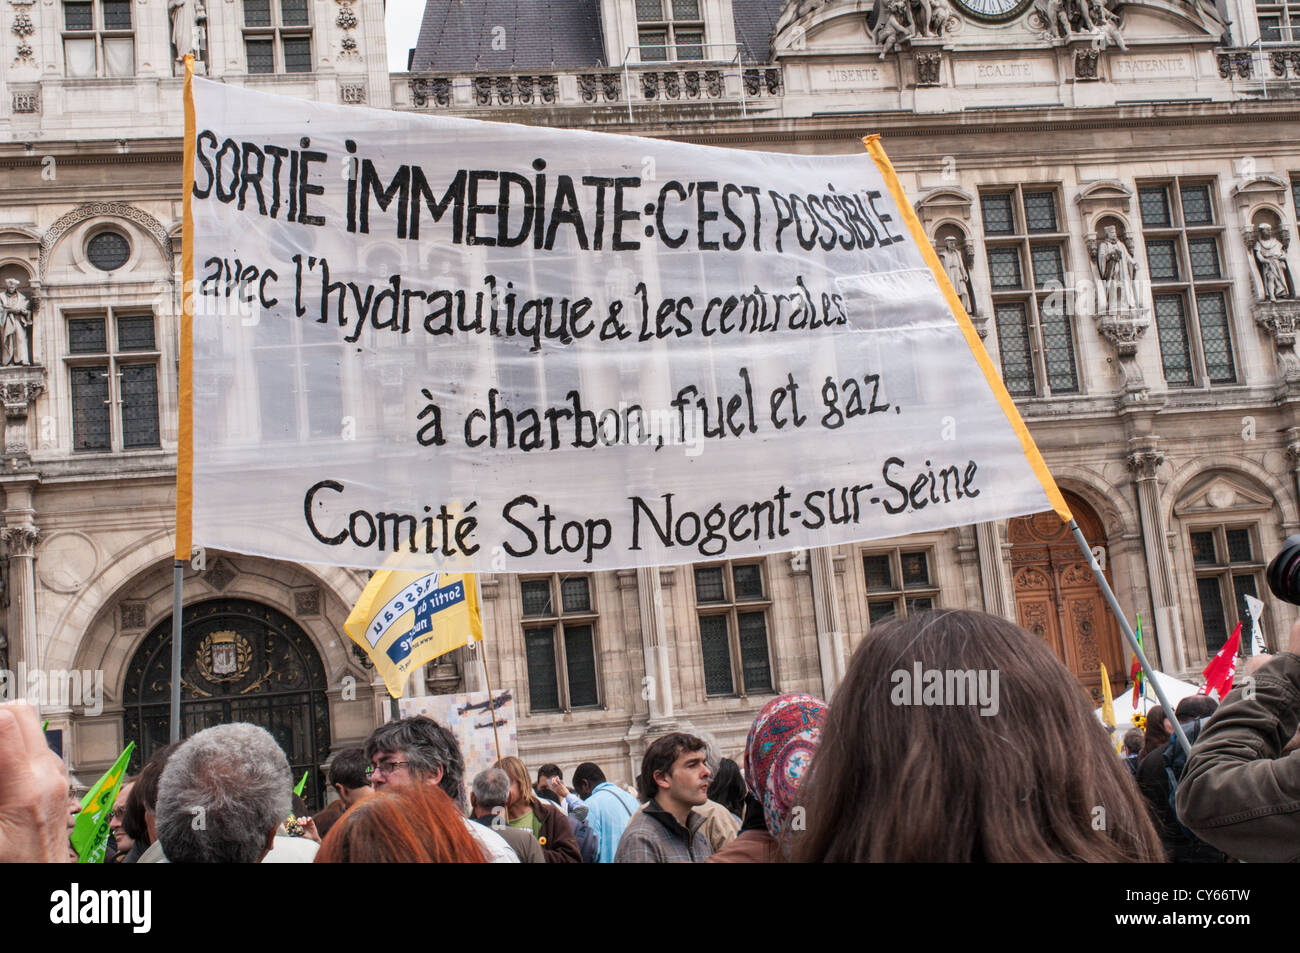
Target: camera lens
point(1284, 571)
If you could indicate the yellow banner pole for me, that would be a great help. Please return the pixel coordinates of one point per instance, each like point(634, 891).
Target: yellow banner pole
point(185, 430)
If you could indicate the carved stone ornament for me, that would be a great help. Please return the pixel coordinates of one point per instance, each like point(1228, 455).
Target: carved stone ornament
point(20, 540)
point(1085, 64)
point(438, 89)
point(19, 388)
point(1124, 332)
point(347, 17)
point(94, 210)
point(1284, 62)
point(1281, 319)
point(306, 601)
point(220, 575)
point(133, 615)
point(1145, 459)
point(927, 67)
point(27, 100)
point(1240, 62)
point(1293, 447)
point(1096, 21)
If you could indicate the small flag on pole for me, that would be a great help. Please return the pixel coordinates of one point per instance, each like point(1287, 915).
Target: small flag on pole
point(1135, 670)
point(404, 619)
point(1108, 707)
point(1218, 674)
point(302, 783)
point(90, 832)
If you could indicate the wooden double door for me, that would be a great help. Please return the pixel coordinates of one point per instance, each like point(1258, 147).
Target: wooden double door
point(1058, 599)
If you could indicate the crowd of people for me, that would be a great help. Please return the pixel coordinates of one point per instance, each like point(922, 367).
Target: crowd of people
point(865, 778)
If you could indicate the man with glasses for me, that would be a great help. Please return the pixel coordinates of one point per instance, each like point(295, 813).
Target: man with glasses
point(420, 751)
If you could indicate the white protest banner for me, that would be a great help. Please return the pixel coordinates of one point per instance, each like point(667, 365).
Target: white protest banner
point(422, 342)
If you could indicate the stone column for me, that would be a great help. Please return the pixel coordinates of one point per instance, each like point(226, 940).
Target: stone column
point(826, 614)
point(1293, 457)
point(20, 542)
point(654, 645)
point(995, 581)
point(1144, 460)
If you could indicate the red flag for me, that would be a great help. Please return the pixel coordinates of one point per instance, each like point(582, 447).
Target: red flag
point(1135, 670)
point(1218, 674)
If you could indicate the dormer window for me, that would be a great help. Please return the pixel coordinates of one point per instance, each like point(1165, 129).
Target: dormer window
point(669, 30)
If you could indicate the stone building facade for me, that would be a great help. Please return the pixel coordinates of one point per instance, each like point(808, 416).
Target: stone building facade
point(1111, 186)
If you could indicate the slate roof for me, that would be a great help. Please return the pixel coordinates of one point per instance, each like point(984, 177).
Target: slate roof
point(538, 34)
point(458, 35)
point(754, 22)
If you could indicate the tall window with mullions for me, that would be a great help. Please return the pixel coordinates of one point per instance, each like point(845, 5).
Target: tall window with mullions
point(1028, 258)
point(560, 651)
point(1228, 567)
point(112, 366)
point(1190, 288)
point(732, 609)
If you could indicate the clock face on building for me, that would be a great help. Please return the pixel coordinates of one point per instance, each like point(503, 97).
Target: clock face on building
point(992, 11)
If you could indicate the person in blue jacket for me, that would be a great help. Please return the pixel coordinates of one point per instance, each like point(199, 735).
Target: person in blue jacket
point(609, 807)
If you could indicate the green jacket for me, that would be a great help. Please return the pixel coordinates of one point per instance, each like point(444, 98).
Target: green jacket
point(1239, 792)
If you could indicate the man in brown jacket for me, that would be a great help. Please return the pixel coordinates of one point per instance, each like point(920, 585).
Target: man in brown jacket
point(1241, 789)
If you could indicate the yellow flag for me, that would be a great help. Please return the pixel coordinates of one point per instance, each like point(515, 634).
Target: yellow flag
point(404, 619)
point(1108, 707)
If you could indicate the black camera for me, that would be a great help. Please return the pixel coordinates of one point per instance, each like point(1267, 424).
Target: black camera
point(1284, 572)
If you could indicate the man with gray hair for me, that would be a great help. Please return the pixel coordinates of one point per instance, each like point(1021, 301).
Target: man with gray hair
point(222, 796)
point(489, 793)
point(418, 750)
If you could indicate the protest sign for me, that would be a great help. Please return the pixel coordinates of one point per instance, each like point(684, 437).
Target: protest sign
point(422, 342)
point(477, 720)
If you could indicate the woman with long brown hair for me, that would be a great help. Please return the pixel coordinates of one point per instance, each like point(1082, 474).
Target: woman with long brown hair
point(958, 736)
point(411, 824)
point(543, 820)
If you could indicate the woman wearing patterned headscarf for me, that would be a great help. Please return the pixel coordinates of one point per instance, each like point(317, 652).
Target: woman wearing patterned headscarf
point(778, 751)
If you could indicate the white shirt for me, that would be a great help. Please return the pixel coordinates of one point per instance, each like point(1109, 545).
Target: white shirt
point(495, 848)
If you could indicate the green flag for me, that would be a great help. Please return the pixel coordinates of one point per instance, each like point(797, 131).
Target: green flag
point(297, 788)
point(90, 833)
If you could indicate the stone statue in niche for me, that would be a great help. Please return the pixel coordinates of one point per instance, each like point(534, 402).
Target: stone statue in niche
point(1116, 274)
point(16, 312)
point(1270, 258)
point(182, 21)
point(953, 260)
